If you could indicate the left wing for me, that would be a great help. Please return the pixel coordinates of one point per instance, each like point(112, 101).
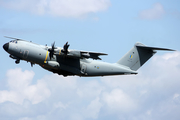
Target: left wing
point(73, 53)
point(80, 54)
point(93, 55)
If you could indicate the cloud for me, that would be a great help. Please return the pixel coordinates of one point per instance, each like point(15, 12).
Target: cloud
point(20, 88)
point(152, 94)
point(156, 12)
point(93, 109)
point(118, 101)
point(62, 8)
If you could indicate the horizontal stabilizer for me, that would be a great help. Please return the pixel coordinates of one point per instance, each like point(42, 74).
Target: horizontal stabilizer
point(151, 48)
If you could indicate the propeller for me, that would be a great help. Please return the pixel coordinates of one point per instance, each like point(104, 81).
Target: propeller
point(65, 48)
point(51, 50)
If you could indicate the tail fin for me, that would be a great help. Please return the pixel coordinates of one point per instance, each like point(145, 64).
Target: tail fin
point(138, 55)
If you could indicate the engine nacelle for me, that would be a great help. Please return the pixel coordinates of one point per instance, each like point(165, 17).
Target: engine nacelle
point(74, 53)
point(53, 64)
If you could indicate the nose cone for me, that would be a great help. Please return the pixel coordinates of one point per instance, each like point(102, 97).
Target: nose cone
point(6, 46)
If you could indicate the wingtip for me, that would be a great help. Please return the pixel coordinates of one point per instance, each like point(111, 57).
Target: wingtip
point(139, 44)
point(171, 50)
point(12, 38)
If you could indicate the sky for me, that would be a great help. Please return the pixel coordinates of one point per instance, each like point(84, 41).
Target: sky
point(109, 26)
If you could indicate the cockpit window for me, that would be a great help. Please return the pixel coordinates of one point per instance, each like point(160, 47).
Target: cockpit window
point(13, 41)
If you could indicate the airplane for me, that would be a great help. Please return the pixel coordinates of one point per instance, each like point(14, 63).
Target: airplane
point(69, 62)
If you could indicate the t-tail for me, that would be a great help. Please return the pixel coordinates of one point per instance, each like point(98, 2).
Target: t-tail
point(138, 55)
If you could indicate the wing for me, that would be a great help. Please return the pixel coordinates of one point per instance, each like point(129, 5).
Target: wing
point(93, 55)
point(80, 54)
point(74, 53)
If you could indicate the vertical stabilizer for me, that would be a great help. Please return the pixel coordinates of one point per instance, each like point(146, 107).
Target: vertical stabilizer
point(138, 55)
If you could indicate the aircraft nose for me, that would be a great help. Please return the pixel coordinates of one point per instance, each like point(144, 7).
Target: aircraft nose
point(6, 46)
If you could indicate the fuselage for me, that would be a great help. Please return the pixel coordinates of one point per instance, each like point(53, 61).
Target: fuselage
point(60, 63)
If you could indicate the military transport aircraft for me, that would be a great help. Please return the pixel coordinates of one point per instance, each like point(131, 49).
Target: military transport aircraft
point(64, 61)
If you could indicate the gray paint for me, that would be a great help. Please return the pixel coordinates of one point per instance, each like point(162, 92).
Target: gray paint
point(76, 62)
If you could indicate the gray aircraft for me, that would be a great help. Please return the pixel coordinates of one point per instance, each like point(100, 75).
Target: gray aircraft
point(64, 61)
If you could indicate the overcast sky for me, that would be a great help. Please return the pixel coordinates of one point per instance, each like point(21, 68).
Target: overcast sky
point(109, 26)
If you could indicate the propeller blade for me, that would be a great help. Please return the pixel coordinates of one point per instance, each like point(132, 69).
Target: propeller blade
point(51, 50)
point(65, 48)
point(53, 45)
